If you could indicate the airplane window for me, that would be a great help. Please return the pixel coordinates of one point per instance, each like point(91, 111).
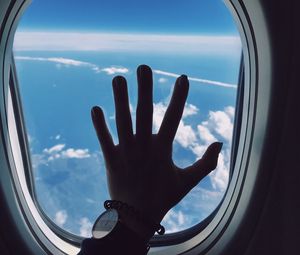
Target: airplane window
point(65, 61)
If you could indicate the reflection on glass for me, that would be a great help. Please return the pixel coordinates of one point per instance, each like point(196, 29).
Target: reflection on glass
point(65, 70)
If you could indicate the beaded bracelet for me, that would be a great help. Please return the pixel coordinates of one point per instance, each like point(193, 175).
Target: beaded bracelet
point(118, 205)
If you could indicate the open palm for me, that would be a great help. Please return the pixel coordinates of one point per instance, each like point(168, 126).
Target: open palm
point(140, 169)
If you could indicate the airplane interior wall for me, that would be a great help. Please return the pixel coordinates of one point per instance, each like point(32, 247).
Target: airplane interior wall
point(272, 223)
point(277, 229)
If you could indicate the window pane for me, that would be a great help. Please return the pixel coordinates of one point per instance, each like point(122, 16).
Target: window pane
point(66, 59)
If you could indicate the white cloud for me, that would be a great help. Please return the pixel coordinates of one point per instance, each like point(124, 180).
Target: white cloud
point(175, 220)
point(203, 81)
point(221, 123)
point(85, 227)
point(38, 159)
point(57, 137)
point(54, 156)
point(218, 126)
point(97, 69)
point(174, 75)
point(202, 201)
point(75, 153)
point(185, 44)
point(185, 135)
point(189, 110)
point(68, 62)
point(219, 177)
point(58, 152)
point(215, 83)
point(162, 80)
point(194, 208)
point(72, 62)
point(59, 60)
point(29, 137)
point(198, 149)
point(206, 136)
point(209, 194)
point(230, 111)
point(159, 110)
point(114, 70)
point(91, 201)
point(55, 148)
point(61, 218)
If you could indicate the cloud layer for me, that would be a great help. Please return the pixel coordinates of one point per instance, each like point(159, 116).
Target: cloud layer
point(59, 162)
point(67, 172)
point(185, 135)
point(58, 152)
point(112, 70)
point(85, 227)
point(76, 63)
point(218, 127)
point(61, 217)
point(70, 41)
point(210, 82)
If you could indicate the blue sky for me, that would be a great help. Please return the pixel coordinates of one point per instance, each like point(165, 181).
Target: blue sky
point(167, 17)
point(66, 56)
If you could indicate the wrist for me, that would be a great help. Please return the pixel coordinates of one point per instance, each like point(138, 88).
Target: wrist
point(135, 220)
point(139, 228)
point(109, 229)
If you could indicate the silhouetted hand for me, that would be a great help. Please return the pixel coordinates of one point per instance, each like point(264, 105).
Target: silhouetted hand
point(140, 169)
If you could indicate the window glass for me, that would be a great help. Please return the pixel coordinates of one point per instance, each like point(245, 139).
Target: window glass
point(66, 56)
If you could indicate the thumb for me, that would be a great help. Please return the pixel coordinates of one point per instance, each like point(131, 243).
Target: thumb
point(201, 168)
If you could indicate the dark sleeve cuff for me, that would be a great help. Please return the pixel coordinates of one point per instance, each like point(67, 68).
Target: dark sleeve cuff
point(121, 240)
